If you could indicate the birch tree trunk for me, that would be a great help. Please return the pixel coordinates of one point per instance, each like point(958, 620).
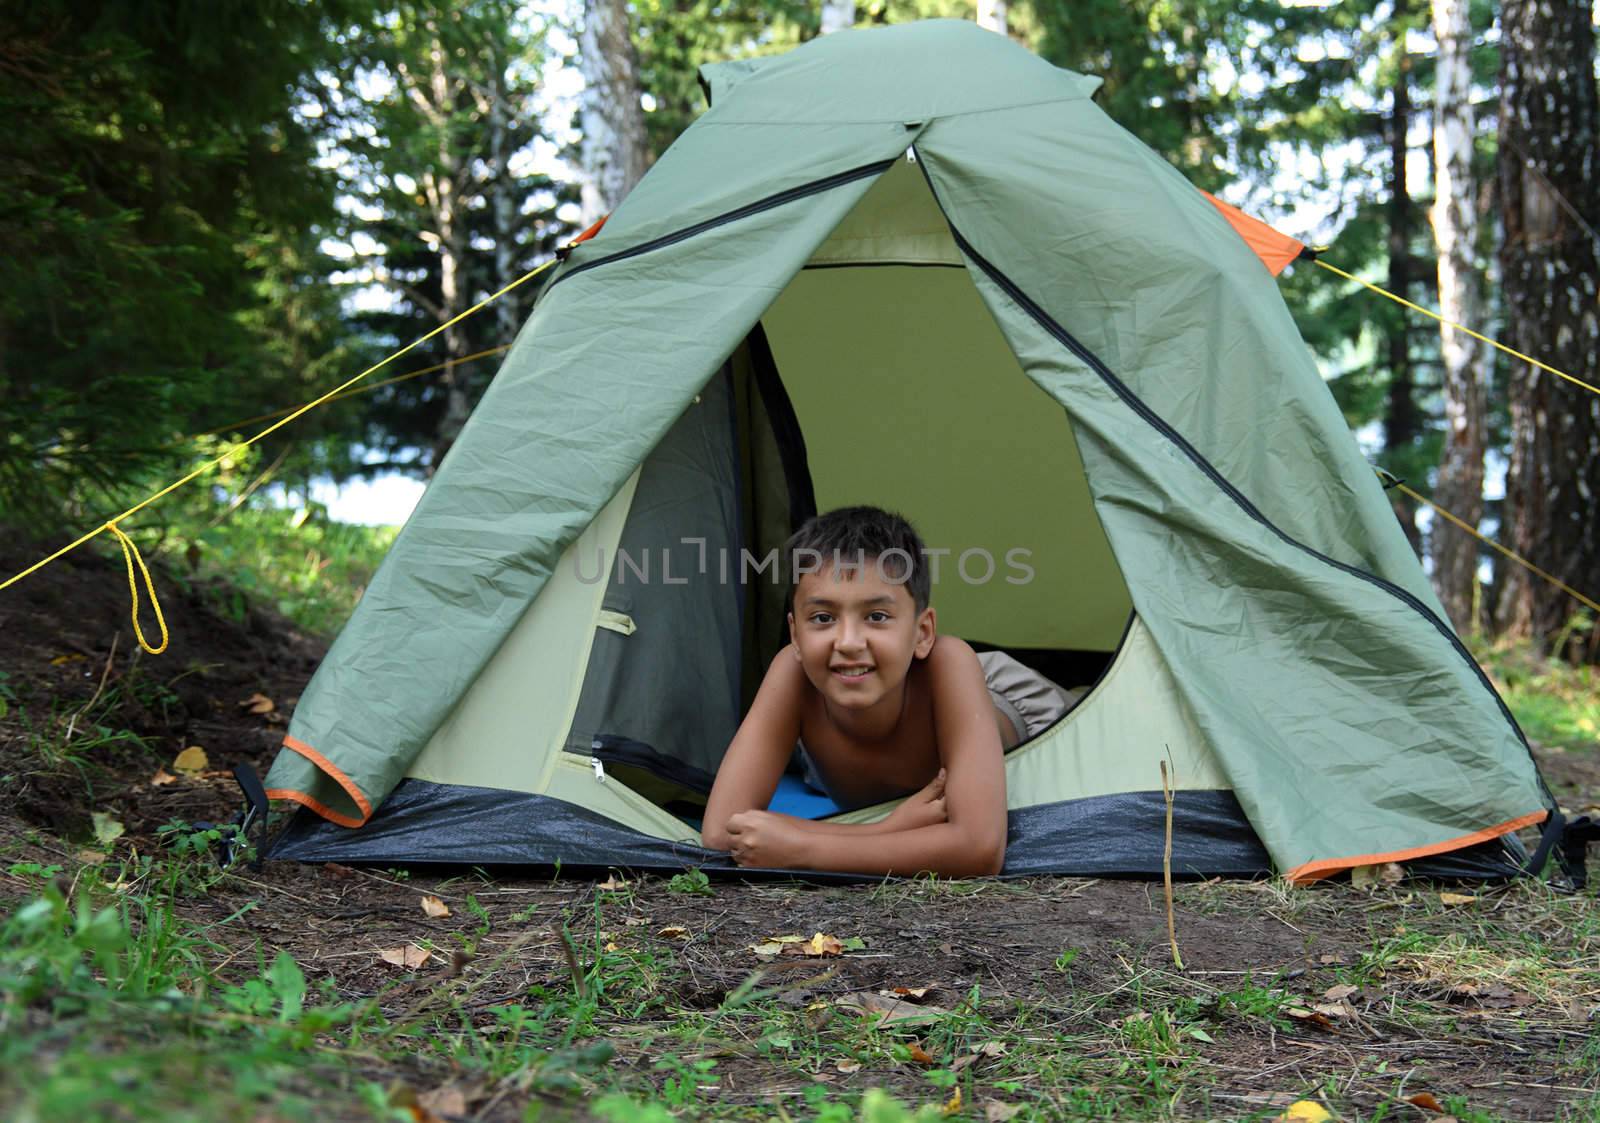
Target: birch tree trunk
point(837, 15)
point(1549, 172)
point(613, 154)
point(992, 15)
point(1459, 487)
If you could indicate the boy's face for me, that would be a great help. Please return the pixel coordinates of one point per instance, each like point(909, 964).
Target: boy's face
point(857, 632)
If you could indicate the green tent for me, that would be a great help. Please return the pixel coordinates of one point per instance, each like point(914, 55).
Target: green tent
point(915, 267)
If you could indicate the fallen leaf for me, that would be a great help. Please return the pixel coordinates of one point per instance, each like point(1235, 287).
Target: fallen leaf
point(612, 884)
point(636, 921)
point(258, 704)
point(449, 1100)
point(434, 907)
point(916, 994)
point(1370, 877)
point(953, 1104)
point(91, 857)
point(990, 1049)
point(106, 829)
point(192, 761)
point(889, 1009)
point(996, 1112)
point(611, 945)
point(963, 1061)
point(162, 777)
point(673, 932)
point(63, 660)
point(919, 1055)
point(409, 956)
point(769, 950)
point(1457, 899)
point(848, 1067)
point(1340, 992)
point(1305, 1111)
point(1315, 1017)
point(1334, 1009)
point(821, 944)
point(1427, 1102)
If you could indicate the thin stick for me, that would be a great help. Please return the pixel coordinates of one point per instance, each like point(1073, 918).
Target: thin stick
point(1166, 870)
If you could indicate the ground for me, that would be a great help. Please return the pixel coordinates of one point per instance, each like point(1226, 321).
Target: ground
point(334, 993)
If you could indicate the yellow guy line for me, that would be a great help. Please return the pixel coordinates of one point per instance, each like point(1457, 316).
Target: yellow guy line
point(340, 396)
point(111, 524)
point(1449, 323)
point(1518, 558)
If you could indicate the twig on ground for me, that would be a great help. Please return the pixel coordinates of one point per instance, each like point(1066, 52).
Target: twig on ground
point(1166, 869)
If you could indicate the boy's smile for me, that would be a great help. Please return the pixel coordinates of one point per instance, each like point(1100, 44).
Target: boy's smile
point(856, 633)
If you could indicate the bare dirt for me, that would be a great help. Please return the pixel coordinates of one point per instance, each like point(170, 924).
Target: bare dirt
point(1049, 965)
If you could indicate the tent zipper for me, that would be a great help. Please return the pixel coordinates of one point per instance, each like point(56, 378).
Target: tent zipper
point(599, 769)
point(1134, 402)
point(789, 195)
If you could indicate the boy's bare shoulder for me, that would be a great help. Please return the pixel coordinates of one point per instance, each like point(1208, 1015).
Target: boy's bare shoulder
point(951, 651)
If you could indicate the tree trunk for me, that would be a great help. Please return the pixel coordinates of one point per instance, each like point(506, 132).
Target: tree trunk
point(614, 154)
point(992, 15)
point(1402, 424)
point(837, 15)
point(503, 199)
point(1459, 488)
point(1550, 207)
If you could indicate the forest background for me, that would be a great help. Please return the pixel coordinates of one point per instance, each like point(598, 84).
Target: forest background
point(212, 212)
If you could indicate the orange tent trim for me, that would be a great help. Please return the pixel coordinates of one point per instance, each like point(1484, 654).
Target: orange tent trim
point(333, 773)
point(1327, 867)
point(1275, 250)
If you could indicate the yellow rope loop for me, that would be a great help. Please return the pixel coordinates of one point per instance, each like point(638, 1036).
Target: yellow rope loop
point(1458, 327)
point(130, 554)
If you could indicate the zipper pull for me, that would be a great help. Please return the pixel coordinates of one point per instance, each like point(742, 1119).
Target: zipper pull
point(599, 769)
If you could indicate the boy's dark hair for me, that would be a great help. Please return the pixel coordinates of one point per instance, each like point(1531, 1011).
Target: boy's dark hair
point(851, 536)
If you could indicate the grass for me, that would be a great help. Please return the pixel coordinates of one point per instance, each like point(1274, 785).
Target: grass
point(138, 989)
point(312, 571)
point(1557, 703)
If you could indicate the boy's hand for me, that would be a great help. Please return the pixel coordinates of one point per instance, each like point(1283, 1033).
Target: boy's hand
point(923, 809)
point(763, 839)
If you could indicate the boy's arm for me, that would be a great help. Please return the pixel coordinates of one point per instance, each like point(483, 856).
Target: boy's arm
point(970, 843)
point(755, 760)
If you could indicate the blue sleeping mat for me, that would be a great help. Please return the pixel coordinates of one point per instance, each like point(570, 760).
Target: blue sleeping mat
point(795, 797)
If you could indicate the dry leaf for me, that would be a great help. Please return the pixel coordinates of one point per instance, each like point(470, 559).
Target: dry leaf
point(611, 884)
point(434, 907)
point(996, 1112)
point(1334, 1009)
point(673, 932)
point(963, 1061)
point(63, 660)
point(953, 1104)
point(258, 704)
point(447, 1101)
point(889, 1009)
point(1305, 1111)
point(409, 956)
point(848, 1067)
point(1314, 1017)
point(1370, 877)
point(1340, 992)
point(919, 1055)
point(192, 761)
point(916, 994)
point(1457, 899)
point(769, 950)
point(91, 857)
point(1426, 1102)
point(990, 1049)
point(162, 777)
point(821, 944)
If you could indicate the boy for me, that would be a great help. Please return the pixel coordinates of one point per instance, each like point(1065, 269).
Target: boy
point(881, 707)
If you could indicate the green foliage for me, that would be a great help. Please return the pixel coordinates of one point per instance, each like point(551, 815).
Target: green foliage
point(693, 882)
point(1557, 703)
point(157, 254)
